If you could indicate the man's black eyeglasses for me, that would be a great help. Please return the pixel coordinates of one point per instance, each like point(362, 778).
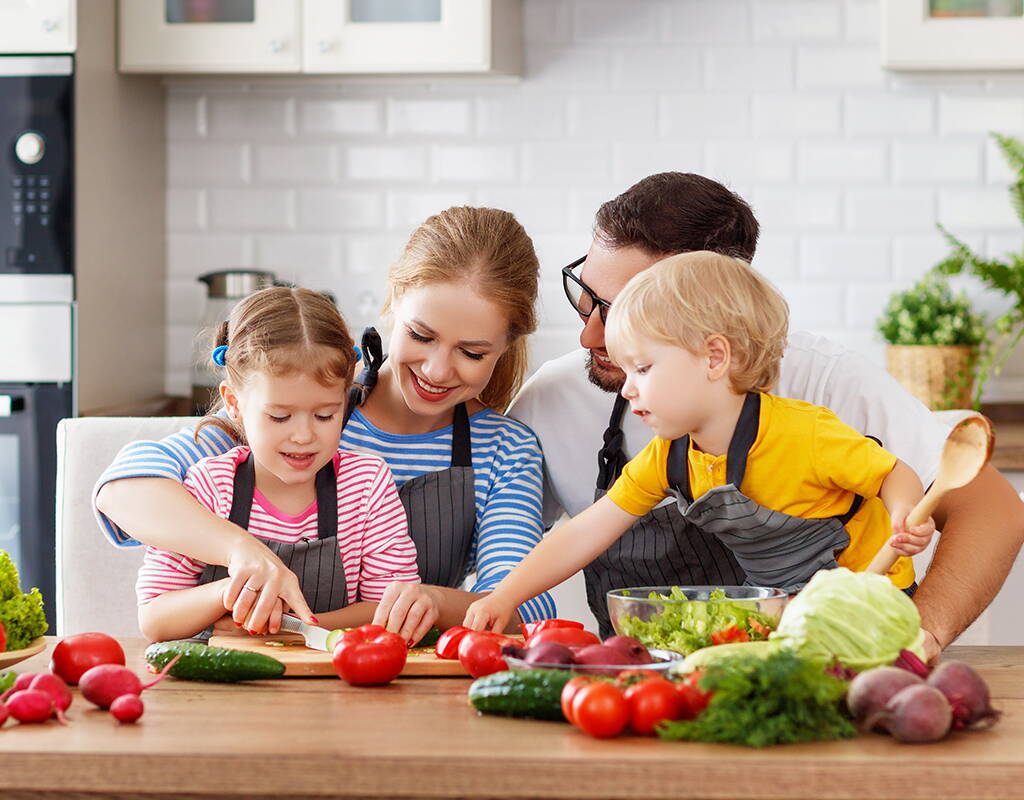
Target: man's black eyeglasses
point(581, 296)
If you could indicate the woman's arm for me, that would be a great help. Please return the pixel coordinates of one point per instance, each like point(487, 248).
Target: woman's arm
point(182, 613)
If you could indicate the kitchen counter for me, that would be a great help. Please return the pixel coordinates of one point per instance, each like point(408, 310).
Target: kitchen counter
point(1008, 453)
point(418, 738)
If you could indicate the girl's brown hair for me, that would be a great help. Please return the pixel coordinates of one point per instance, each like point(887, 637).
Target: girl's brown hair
point(281, 331)
point(684, 299)
point(488, 249)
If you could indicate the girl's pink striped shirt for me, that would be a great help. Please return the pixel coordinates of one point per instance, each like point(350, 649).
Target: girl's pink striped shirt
point(372, 534)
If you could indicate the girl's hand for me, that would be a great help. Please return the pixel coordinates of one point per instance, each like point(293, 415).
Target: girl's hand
point(910, 541)
point(488, 613)
point(258, 582)
point(408, 609)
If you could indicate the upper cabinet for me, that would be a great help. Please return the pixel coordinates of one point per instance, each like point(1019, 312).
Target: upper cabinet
point(37, 26)
point(321, 36)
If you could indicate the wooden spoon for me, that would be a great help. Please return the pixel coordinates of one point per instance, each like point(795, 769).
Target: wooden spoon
point(967, 449)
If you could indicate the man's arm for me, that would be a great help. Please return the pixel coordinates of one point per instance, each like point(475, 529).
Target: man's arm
point(982, 528)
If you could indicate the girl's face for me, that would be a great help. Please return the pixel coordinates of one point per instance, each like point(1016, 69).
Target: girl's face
point(293, 423)
point(444, 346)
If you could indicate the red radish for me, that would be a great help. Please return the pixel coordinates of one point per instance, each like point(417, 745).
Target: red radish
point(56, 689)
point(29, 705)
point(127, 708)
point(918, 713)
point(3, 714)
point(873, 688)
point(103, 684)
point(20, 683)
point(966, 692)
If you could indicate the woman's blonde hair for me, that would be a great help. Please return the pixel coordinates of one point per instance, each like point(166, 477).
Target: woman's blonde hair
point(685, 298)
point(488, 249)
point(282, 331)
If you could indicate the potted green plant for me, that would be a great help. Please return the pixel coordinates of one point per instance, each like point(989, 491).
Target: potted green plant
point(933, 341)
point(1005, 276)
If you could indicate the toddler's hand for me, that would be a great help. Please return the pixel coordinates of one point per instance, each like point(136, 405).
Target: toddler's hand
point(910, 540)
point(488, 613)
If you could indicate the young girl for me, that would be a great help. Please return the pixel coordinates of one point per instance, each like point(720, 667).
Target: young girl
point(461, 297)
point(332, 516)
point(785, 485)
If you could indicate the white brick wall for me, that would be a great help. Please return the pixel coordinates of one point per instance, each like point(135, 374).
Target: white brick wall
point(848, 167)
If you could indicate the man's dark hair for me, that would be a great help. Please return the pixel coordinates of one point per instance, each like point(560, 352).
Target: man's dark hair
point(678, 212)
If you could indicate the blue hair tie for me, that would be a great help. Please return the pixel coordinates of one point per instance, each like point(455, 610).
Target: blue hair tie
point(359, 353)
point(218, 355)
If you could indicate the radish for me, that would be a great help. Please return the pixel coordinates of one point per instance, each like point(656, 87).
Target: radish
point(57, 690)
point(3, 714)
point(127, 708)
point(104, 683)
point(20, 683)
point(917, 713)
point(873, 688)
point(29, 705)
point(966, 692)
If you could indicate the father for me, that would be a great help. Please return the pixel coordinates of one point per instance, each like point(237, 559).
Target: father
point(573, 406)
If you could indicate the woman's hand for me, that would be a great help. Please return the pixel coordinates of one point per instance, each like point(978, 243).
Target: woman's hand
point(259, 582)
point(408, 609)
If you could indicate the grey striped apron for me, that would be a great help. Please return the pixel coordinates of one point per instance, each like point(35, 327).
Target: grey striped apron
point(316, 562)
point(440, 506)
point(662, 548)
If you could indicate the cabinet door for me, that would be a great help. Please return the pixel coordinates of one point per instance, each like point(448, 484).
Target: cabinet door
point(37, 26)
point(209, 36)
point(386, 36)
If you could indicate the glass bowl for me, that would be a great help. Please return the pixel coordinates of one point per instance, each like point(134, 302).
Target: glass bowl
point(682, 618)
point(663, 662)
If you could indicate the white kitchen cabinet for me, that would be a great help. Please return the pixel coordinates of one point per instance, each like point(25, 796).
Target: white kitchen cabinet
point(412, 36)
point(205, 36)
point(37, 26)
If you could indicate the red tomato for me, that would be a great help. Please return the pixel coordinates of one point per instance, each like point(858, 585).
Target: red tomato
point(73, 655)
point(570, 637)
point(694, 699)
point(600, 710)
point(480, 653)
point(569, 692)
point(629, 677)
point(448, 642)
point(734, 633)
point(530, 628)
point(369, 656)
point(650, 702)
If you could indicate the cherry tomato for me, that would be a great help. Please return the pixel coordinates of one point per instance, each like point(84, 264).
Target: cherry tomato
point(530, 628)
point(75, 654)
point(734, 633)
point(569, 694)
point(369, 656)
point(694, 699)
point(600, 710)
point(629, 677)
point(480, 653)
point(570, 637)
point(448, 642)
point(650, 702)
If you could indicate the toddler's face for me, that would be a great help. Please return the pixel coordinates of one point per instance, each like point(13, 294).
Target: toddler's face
point(667, 387)
point(293, 423)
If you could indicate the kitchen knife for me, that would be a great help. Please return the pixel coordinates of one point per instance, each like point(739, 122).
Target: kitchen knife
point(315, 637)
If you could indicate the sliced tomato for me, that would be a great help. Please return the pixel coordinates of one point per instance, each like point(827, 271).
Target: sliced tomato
point(448, 642)
point(530, 628)
point(570, 637)
point(734, 633)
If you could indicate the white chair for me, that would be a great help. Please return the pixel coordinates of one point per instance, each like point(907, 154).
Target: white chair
point(95, 579)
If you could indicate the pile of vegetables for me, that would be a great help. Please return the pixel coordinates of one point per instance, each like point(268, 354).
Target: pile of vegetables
point(22, 618)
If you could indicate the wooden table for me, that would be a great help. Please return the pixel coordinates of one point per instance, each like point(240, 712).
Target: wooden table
point(418, 738)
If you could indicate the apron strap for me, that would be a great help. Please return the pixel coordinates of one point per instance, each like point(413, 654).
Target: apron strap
point(858, 501)
point(462, 448)
point(611, 458)
point(326, 497)
point(241, 496)
point(373, 357)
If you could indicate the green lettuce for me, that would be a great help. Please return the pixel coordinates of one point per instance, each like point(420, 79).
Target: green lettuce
point(21, 615)
point(858, 617)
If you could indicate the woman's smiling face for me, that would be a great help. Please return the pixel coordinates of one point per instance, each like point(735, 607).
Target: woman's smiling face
point(445, 344)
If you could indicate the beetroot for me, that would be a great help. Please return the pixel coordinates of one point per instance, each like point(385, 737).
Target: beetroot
point(632, 650)
point(967, 694)
point(549, 653)
point(916, 713)
point(104, 683)
point(910, 662)
point(873, 688)
point(127, 708)
point(29, 705)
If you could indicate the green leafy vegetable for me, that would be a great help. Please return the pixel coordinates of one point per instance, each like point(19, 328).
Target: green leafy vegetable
point(858, 617)
point(21, 614)
point(763, 701)
point(686, 625)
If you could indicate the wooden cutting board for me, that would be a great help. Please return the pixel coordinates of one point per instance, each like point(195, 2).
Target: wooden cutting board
point(303, 662)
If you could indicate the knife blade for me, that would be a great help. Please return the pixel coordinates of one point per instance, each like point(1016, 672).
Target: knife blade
point(315, 636)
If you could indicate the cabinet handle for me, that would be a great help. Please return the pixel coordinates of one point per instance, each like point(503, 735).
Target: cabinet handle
point(10, 405)
point(276, 45)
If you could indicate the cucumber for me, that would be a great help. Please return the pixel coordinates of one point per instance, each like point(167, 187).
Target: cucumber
point(429, 638)
point(200, 662)
point(534, 693)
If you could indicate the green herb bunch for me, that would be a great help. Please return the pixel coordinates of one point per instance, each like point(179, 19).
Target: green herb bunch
point(930, 314)
point(1005, 276)
point(757, 702)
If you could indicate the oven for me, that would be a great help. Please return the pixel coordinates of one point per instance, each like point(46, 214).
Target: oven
point(37, 309)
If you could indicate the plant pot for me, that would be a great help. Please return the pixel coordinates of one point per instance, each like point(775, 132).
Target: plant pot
point(941, 377)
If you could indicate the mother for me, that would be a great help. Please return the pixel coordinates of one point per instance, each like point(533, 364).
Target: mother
point(462, 296)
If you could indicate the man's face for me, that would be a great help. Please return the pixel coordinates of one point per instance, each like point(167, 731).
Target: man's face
point(605, 272)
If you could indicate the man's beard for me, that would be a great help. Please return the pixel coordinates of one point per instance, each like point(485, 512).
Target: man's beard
point(602, 377)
